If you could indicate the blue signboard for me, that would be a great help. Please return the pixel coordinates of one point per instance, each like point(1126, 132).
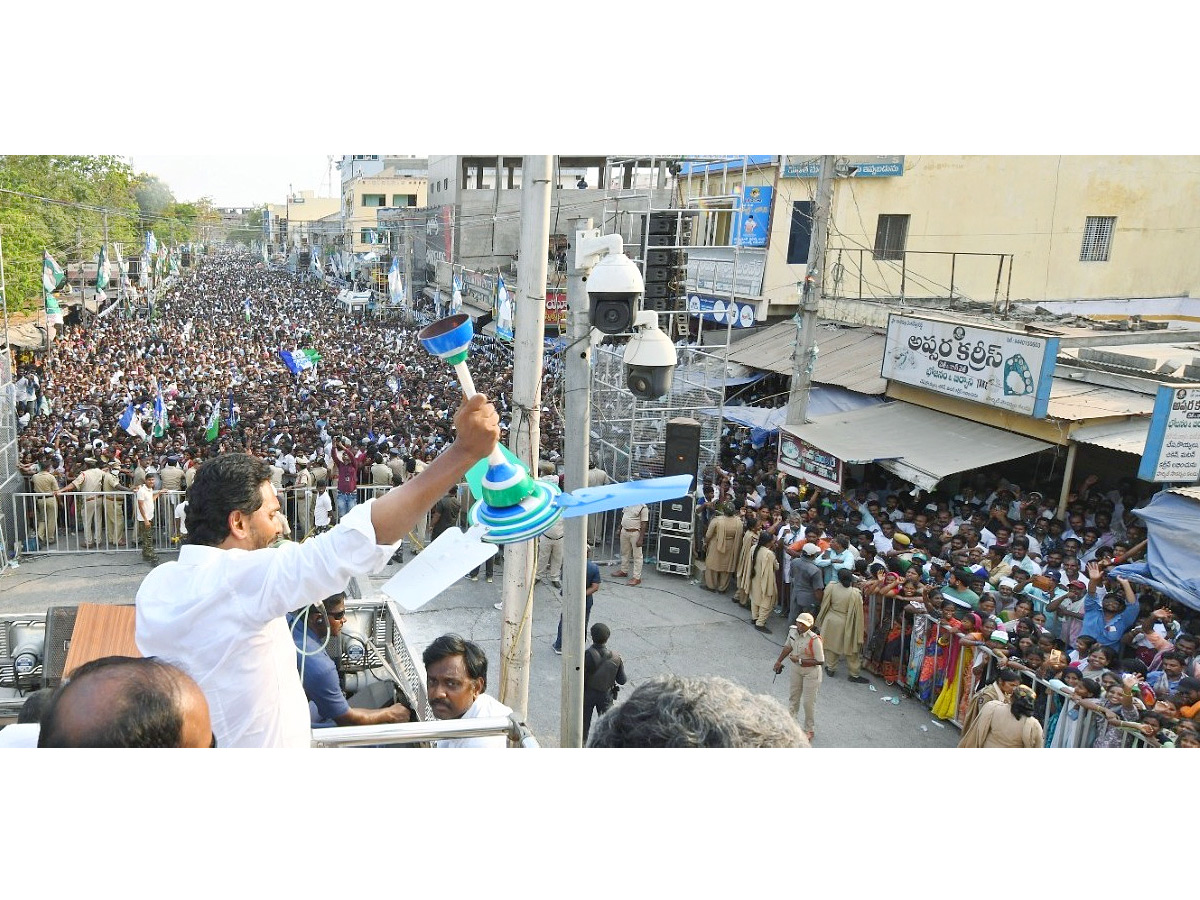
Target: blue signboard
point(721, 311)
point(853, 167)
point(751, 220)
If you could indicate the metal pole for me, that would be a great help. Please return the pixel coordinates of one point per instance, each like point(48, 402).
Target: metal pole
point(524, 434)
point(410, 302)
point(1068, 474)
point(577, 375)
point(803, 360)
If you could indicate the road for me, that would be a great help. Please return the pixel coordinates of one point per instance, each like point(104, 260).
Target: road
point(666, 624)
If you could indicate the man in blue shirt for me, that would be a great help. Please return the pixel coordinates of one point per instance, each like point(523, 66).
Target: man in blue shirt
point(591, 584)
point(1105, 621)
point(326, 703)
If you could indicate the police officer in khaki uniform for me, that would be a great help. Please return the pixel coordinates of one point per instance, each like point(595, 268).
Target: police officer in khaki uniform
point(114, 505)
point(89, 482)
point(46, 507)
point(635, 520)
point(803, 647)
point(304, 497)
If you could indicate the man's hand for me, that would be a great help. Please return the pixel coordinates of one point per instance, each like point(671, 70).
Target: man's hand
point(397, 713)
point(478, 426)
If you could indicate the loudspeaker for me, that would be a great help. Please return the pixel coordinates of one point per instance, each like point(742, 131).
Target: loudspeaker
point(676, 515)
point(682, 453)
point(674, 554)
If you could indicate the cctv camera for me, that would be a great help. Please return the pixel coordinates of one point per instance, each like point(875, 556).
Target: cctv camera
point(613, 289)
point(649, 359)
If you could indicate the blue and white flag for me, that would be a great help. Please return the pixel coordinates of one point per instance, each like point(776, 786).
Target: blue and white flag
point(246, 307)
point(299, 360)
point(456, 297)
point(132, 422)
point(395, 282)
point(315, 264)
point(151, 243)
point(234, 418)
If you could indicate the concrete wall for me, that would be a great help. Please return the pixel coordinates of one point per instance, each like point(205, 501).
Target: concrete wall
point(1033, 207)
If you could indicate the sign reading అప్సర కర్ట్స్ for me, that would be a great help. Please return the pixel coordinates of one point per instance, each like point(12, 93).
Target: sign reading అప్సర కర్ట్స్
point(1172, 451)
point(1005, 369)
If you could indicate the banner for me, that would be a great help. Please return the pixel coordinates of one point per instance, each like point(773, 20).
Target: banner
point(504, 311)
point(751, 219)
point(556, 310)
point(800, 458)
point(1172, 450)
point(722, 312)
point(1009, 370)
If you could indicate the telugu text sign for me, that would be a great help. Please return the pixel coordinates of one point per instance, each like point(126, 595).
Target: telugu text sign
point(1172, 451)
point(1005, 369)
point(800, 458)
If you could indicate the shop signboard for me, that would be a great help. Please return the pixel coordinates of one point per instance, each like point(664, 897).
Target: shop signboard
point(556, 310)
point(848, 167)
point(1008, 370)
point(800, 458)
point(1172, 451)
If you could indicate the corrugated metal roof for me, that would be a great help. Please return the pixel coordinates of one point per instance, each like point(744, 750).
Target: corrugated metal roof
point(848, 357)
point(1190, 492)
point(921, 445)
point(1128, 436)
point(1076, 401)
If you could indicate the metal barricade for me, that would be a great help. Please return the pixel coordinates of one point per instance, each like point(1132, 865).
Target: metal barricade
point(90, 522)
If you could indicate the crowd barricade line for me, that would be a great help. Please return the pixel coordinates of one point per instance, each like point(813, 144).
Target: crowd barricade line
point(89, 522)
point(936, 643)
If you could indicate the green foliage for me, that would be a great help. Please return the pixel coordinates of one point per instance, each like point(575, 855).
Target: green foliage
point(251, 232)
point(72, 234)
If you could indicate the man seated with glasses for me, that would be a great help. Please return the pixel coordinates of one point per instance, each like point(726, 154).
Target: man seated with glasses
point(319, 674)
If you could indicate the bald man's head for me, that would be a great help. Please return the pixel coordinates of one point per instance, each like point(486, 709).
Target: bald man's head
point(122, 701)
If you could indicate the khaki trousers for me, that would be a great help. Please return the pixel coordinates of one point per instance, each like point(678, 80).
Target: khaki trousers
point(550, 558)
point(805, 682)
point(718, 581)
point(92, 519)
point(114, 514)
point(853, 662)
point(47, 520)
point(631, 552)
point(759, 612)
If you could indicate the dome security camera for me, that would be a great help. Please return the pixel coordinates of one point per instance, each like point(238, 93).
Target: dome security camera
point(649, 359)
point(613, 287)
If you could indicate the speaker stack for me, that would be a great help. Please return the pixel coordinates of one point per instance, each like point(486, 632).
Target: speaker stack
point(677, 521)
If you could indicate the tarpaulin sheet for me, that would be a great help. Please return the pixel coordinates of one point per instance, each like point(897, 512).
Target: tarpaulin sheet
point(1173, 548)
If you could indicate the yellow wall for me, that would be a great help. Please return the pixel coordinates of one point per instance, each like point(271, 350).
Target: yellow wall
point(360, 217)
point(1033, 207)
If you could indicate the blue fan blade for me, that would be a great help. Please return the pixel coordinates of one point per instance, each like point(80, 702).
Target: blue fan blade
point(614, 496)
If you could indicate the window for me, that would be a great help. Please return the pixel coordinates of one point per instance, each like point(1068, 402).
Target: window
point(404, 199)
point(891, 234)
point(801, 233)
point(374, 199)
point(1097, 238)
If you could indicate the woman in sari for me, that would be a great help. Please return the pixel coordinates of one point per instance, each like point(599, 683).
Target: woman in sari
point(937, 650)
point(840, 624)
point(745, 566)
point(960, 665)
point(1073, 727)
point(883, 586)
point(920, 609)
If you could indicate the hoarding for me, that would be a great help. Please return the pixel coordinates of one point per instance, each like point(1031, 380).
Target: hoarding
point(1172, 451)
point(848, 167)
point(1005, 369)
point(752, 218)
point(800, 458)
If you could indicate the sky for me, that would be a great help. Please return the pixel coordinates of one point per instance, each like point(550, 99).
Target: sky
point(240, 180)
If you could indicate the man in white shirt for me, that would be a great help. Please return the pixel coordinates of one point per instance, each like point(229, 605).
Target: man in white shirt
point(455, 681)
point(218, 611)
point(144, 508)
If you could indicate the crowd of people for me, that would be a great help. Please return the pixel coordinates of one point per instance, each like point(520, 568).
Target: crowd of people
point(211, 343)
point(946, 594)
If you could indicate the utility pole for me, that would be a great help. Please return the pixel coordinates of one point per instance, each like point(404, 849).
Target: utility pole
point(410, 302)
point(804, 354)
point(104, 219)
point(577, 362)
point(524, 433)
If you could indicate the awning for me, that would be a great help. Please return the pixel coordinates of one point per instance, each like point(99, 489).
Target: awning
point(847, 357)
point(822, 401)
point(920, 445)
point(734, 376)
point(1127, 437)
point(1172, 520)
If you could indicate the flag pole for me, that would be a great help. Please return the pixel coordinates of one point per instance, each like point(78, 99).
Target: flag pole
point(3, 291)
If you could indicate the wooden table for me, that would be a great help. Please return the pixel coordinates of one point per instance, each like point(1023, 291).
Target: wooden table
point(101, 629)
